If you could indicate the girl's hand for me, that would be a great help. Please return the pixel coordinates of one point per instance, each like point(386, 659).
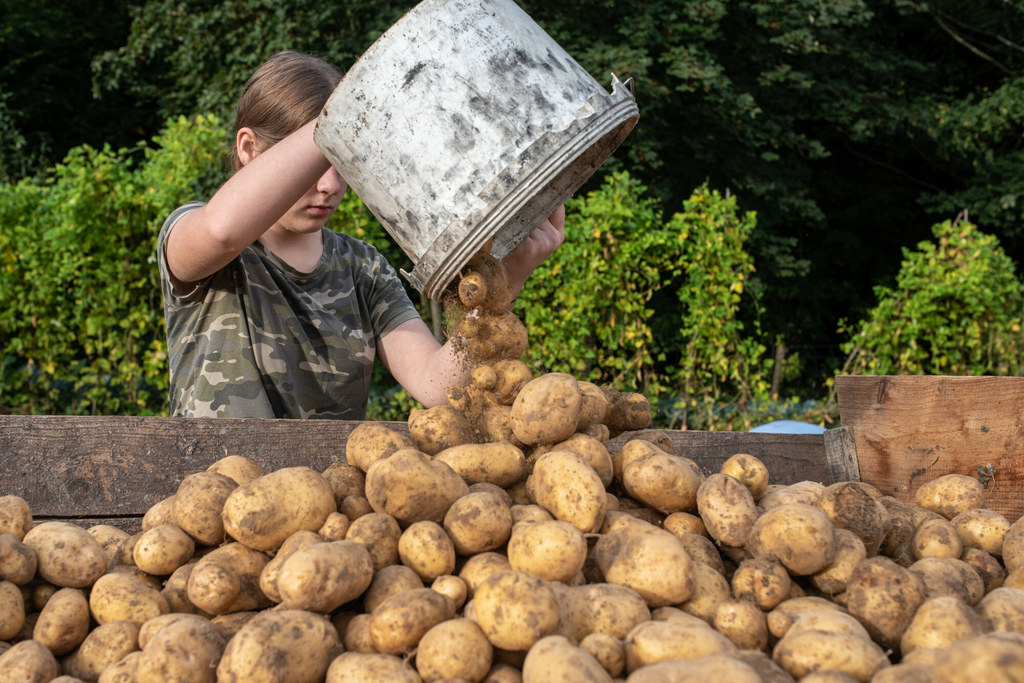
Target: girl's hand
point(535, 249)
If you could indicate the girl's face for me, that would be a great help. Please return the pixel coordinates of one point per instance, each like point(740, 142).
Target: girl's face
point(311, 212)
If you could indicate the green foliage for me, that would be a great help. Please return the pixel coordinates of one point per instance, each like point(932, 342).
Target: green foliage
point(84, 332)
point(590, 309)
point(722, 361)
point(955, 310)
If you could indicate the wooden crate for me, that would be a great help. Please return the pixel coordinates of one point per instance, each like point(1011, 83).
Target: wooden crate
point(908, 430)
point(112, 469)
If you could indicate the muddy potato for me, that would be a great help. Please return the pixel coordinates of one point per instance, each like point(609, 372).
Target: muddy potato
point(354, 507)
point(743, 623)
point(502, 463)
point(936, 538)
point(510, 377)
point(783, 616)
point(713, 667)
point(454, 649)
point(554, 551)
point(335, 527)
point(186, 649)
point(371, 667)
point(939, 622)
point(566, 486)
point(64, 621)
point(391, 580)
point(556, 658)
point(345, 480)
point(12, 610)
point(635, 555)
point(476, 569)
point(161, 512)
point(749, 471)
point(1002, 609)
point(488, 339)
point(950, 494)
point(397, 624)
point(628, 411)
point(15, 516)
point(426, 548)
point(799, 535)
point(372, 441)
point(271, 570)
point(547, 409)
point(593, 452)
point(884, 597)
point(666, 483)
point(356, 637)
point(453, 587)
point(267, 510)
point(988, 567)
point(529, 513)
point(434, 429)
point(105, 645)
point(809, 492)
point(1013, 546)
point(805, 652)
point(681, 523)
point(238, 468)
point(68, 556)
point(710, 589)
point(477, 523)
point(285, 646)
point(227, 579)
point(125, 597)
point(850, 551)
point(727, 508)
point(515, 609)
point(198, 505)
point(633, 449)
point(109, 536)
point(607, 650)
point(28, 662)
point(659, 641)
point(18, 562)
point(989, 657)
point(162, 549)
point(703, 549)
point(324, 576)
point(949, 576)
point(983, 529)
point(598, 608)
point(594, 410)
point(411, 487)
point(850, 505)
point(378, 532)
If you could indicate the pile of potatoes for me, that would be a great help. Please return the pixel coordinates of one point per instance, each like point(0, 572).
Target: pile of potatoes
point(504, 539)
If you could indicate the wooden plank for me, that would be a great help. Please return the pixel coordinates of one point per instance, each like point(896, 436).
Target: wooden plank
point(841, 455)
point(911, 429)
point(98, 468)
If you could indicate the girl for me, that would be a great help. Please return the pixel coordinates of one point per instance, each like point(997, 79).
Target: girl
point(269, 313)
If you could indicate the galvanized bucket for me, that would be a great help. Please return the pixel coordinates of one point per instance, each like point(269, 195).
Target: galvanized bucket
point(463, 122)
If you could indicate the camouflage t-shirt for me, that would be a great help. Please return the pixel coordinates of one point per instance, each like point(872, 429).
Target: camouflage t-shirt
point(261, 339)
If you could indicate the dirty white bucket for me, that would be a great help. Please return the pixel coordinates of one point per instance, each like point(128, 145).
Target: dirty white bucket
point(466, 121)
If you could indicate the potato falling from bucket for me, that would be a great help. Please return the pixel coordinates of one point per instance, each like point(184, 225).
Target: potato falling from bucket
point(464, 122)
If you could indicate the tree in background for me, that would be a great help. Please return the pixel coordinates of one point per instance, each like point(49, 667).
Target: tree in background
point(956, 309)
point(621, 263)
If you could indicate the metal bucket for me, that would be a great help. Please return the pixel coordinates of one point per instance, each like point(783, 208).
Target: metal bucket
point(463, 122)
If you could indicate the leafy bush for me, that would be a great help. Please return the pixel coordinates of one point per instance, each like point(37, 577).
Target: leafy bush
point(955, 310)
point(590, 310)
point(83, 331)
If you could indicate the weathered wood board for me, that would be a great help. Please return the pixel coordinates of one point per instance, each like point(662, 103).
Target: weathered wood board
point(911, 429)
point(113, 469)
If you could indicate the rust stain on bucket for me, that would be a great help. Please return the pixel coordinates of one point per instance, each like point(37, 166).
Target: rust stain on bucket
point(463, 122)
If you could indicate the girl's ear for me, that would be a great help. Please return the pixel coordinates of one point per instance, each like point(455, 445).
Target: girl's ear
point(246, 144)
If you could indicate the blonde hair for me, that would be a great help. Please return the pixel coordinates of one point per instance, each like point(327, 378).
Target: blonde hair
point(286, 92)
